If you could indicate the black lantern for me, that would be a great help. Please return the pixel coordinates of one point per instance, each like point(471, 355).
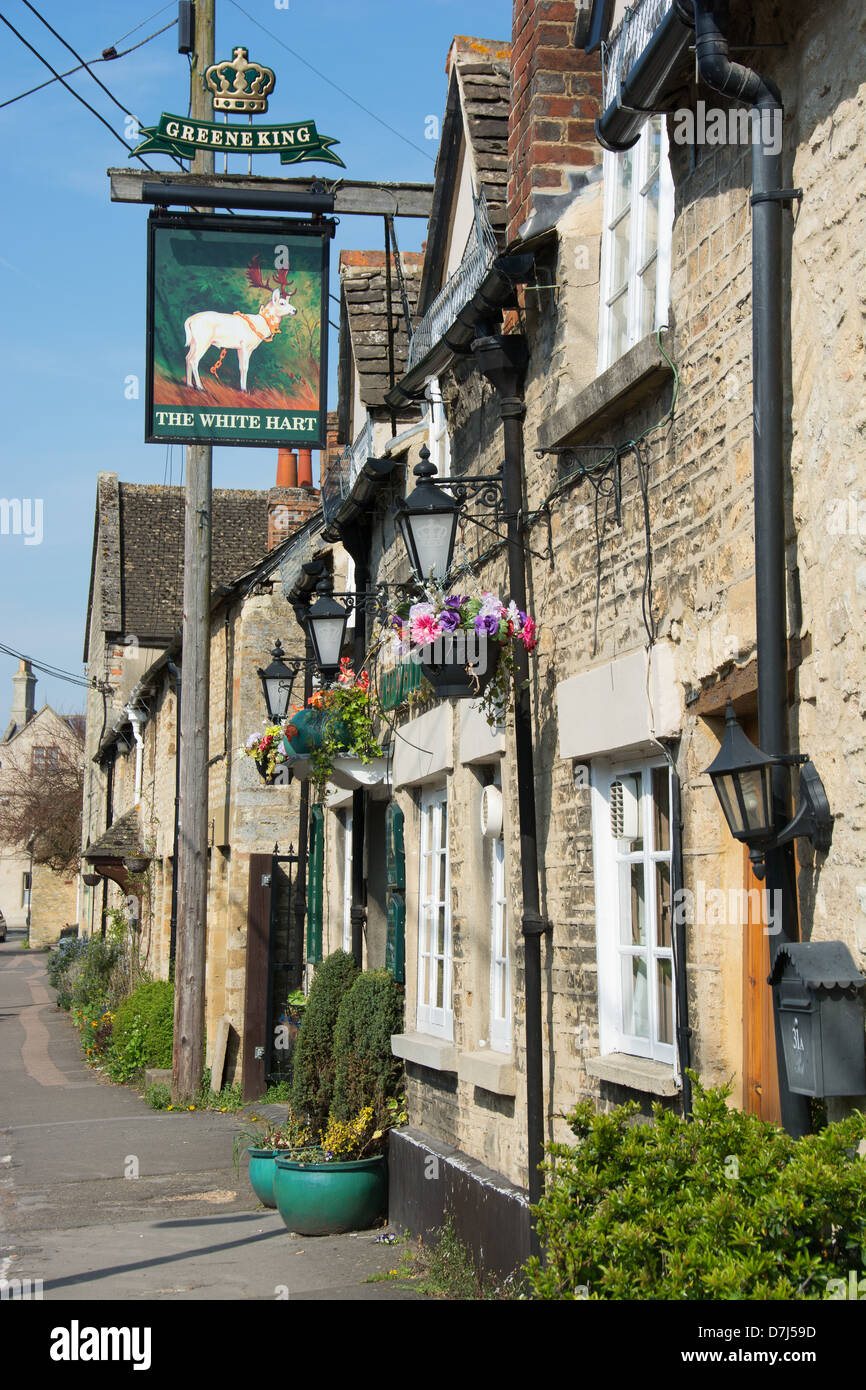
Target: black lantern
point(743, 780)
point(326, 622)
point(277, 681)
point(428, 524)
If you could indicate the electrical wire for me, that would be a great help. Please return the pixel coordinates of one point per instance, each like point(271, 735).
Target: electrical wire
point(142, 23)
point(56, 672)
point(91, 109)
point(332, 83)
point(108, 56)
point(119, 104)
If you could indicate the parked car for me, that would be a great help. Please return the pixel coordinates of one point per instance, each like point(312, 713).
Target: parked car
point(2, 927)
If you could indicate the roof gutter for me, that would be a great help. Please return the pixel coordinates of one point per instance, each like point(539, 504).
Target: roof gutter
point(495, 293)
point(357, 505)
point(640, 94)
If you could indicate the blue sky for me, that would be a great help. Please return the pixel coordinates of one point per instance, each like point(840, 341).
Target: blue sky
point(72, 264)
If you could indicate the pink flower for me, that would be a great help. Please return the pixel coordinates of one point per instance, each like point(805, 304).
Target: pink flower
point(425, 629)
point(528, 635)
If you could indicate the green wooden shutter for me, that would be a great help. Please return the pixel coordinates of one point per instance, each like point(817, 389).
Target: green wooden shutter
point(395, 878)
point(315, 868)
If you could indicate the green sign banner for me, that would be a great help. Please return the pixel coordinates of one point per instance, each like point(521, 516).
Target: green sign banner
point(294, 144)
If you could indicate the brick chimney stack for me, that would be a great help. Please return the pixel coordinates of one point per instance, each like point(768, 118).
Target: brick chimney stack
point(290, 505)
point(555, 99)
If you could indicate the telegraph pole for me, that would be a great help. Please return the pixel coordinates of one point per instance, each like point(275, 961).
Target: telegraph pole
point(191, 865)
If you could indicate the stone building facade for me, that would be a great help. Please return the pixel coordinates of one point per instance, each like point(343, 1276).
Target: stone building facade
point(635, 306)
point(30, 892)
point(132, 731)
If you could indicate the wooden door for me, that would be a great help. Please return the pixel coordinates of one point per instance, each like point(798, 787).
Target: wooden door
point(760, 1073)
point(257, 977)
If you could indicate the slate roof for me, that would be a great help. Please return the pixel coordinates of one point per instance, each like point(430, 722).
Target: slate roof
point(364, 307)
point(483, 72)
point(119, 840)
point(476, 115)
point(139, 548)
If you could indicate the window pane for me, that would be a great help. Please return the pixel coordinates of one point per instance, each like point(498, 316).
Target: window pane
point(633, 914)
point(440, 984)
point(635, 1003)
point(661, 784)
point(666, 1001)
point(424, 985)
point(619, 261)
point(440, 932)
point(663, 904)
point(654, 143)
point(618, 327)
point(648, 298)
point(651, 223)
point(443, 843)
point(443, 866)
point(623, 182)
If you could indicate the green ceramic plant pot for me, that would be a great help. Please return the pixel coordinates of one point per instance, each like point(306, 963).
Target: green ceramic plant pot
point(262, 1174)
point(325, 1199)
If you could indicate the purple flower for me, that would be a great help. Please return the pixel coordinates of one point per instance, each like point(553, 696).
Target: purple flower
point(455, 601)
point(488, 623)
point(449, 619)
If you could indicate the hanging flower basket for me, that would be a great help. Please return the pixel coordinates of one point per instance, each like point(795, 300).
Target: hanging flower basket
point(459, 665)
point(136, 863)
point(463, 644)
point(333, 737)
point(267, 752)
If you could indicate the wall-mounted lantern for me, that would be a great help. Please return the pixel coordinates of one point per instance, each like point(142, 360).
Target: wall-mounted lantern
point(742, 776)
point(427, 519)
point(326, 622)
point(277, 681)
point(820, 1003)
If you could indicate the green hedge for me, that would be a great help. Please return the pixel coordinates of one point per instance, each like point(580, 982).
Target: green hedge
point(313, 1075)
point(366, 1072)
point(143, 1030)
point(726, 1206)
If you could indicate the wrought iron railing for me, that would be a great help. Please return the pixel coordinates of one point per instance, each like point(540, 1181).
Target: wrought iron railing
point(339, 478)
point(481, 251)
point(627, 42)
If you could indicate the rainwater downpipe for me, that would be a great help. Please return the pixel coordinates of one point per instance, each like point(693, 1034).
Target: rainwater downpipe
point(138, 719)
point(740, 83)
point(174, 672)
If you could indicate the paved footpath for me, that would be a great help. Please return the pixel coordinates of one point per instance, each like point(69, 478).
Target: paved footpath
point(188, 1227)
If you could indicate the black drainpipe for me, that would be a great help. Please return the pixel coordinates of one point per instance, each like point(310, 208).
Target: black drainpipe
point(174, 672)
point(502, 359)
point(740, 83)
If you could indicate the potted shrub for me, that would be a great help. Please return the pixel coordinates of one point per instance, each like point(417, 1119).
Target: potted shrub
point(342, 1184)
point(264, 1146)
point(463, 644)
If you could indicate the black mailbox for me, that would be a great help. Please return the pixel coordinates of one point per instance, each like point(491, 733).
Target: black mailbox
point(819, 997)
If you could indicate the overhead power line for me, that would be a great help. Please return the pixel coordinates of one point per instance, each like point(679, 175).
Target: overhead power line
point(108, 55)
point(91, 109)
point(55, 671)
point(119, 104)
point(331, 83)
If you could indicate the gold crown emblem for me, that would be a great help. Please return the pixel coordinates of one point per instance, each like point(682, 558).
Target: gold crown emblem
point(239, 85)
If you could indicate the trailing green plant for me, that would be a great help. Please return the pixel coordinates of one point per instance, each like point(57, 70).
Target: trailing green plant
point(143, 1031)
point(313, 1077)
point(366, 1071)
point(725, 1206)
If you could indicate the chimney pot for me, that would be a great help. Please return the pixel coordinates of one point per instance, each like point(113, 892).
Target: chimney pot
point(287, 468)
point(305, 468)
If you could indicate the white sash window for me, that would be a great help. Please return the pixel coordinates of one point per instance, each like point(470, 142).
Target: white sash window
point(434, 919)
